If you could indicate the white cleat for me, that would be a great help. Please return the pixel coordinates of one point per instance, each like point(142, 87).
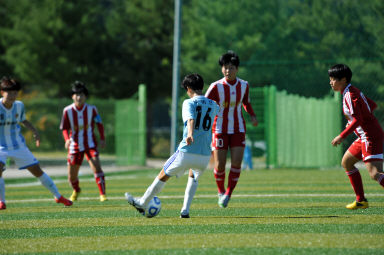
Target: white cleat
point(223, 201)
point(133, 201)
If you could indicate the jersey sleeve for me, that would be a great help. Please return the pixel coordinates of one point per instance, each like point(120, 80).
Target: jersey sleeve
point(356, 111)
point(22, 112)
point(247, 103)
point(96, 115)
point(64, 124)
point(212, 93)
point(188, 110)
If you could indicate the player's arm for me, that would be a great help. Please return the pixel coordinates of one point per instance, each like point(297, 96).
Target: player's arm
point(249, 109)
point(36, 135)
point(100, 127)
point(190, 126)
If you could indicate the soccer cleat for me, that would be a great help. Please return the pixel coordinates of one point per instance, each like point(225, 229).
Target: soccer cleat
point(219, 195)
point(223, 201)
point(184, 216)
point(2, 206)
point(133, 201)
point(103, 198)
point(357, 205)
point(64, 201)
point(74, 195)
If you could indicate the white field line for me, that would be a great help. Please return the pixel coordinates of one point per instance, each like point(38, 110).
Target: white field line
point(206, 196)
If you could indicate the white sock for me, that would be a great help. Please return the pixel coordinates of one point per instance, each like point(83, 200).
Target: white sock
point(49, 184)
point(152, 190)
point(190, 191)
point(2, 190)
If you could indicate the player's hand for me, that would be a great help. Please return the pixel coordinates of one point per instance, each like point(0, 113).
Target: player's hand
point(337, 140)
point(102, 143)
point(189, 140)
point(254, 121)
point(67, 143)
point(36, 136)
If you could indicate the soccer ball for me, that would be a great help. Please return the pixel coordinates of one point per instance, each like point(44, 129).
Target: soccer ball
point(153, 208)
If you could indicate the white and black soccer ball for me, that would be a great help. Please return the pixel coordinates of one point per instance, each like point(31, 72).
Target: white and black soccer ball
point(153, 208)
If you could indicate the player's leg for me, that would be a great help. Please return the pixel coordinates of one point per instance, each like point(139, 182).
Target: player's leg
point(220, 146)
point(74, 163)
point(350, 158)
point(375, 169)
point(94, 163)
point(190, 191)
point(2, 188)
point(47, 182)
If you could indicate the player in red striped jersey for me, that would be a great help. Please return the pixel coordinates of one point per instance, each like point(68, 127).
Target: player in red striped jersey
point(368, 146)
point(230, 93)
point(77, 125)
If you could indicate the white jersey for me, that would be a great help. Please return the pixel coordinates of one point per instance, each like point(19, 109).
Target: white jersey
point(10, 131)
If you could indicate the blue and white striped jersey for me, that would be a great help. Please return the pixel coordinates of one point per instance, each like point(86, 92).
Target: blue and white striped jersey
point(10, 131)
point(203, 111)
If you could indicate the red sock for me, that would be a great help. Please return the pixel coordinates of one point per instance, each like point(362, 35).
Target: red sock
point(75, 185)
point(233, 177)
point(220, 179)
point(357, 183)
point(100, 181)
point(381, 180)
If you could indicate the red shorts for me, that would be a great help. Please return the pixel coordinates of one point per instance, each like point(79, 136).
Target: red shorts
point(367, 150)
point(223, 141)
point(77, 158)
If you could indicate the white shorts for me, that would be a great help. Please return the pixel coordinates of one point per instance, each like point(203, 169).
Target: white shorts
point(180, 162)
point(23, 157)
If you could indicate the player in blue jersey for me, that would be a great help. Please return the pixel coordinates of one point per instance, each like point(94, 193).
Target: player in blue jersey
point(194, 151)
point(12, 143)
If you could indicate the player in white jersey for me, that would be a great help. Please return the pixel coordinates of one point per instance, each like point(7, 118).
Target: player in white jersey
point(194, 150)
point(77, 124)
point(12, 143)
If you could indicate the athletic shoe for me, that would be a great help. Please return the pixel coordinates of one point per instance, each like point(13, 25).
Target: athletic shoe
point(103, 198)
point(223, 201)
point(133, 201)
point(357, 205)
point(74, 195)
point(2, 206)
point(184, 216)
point(64, 201)
point(219, 195)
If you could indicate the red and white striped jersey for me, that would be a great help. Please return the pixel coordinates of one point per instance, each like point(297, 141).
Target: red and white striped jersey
point(358, 110)
point(80, 124)
point(230, 98)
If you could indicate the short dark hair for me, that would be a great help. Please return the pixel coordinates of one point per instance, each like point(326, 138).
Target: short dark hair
point(340, 71)
point(79, 87)
point(193, 81)
point(8, 84)
point(229, 58)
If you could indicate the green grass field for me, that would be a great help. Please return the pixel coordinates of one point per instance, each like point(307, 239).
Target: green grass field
point(271, 212)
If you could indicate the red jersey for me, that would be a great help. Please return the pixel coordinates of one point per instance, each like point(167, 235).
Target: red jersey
point(230, 98)
point(80, 124)
point(358, 110)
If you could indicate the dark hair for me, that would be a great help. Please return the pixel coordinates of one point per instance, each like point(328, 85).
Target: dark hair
point(193, 81)
point(8, 84)
point(340, 71)
point(79, 87)
point(229, 58)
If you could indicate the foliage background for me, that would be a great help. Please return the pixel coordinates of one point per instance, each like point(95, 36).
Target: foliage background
point(115, 45)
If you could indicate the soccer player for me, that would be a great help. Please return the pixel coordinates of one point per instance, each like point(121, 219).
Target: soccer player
point(230, 93)
point(12, 143)
point(77, 124)
point(368, 146)
point(194, 151)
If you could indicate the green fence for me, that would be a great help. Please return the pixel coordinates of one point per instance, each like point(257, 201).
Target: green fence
point(297, 131)
point(131, 130)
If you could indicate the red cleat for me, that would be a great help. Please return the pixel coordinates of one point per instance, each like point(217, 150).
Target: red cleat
point(2, 206)
point(64, 201)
